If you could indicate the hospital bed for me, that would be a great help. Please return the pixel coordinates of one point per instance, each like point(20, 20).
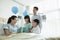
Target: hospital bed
point(27, 36)
point(23, 36)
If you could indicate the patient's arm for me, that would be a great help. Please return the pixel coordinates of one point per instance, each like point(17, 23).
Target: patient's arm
point(7, 32)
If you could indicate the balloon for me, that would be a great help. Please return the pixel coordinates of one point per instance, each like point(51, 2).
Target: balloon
point(15, 10)
point(25, 13)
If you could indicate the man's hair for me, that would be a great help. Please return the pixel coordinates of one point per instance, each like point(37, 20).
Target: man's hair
point(36, 20)
point(36, 8)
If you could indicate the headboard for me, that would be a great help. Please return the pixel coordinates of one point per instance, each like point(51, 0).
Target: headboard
point(3, 19)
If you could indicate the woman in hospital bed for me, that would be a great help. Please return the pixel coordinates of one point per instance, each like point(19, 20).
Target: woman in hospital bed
point(11, 27)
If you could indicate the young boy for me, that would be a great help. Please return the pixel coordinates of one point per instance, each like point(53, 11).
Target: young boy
point(35, 27)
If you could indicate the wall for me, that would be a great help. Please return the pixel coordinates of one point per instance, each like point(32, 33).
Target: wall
point(5, 11)
point(51, 9)
point(5, 8)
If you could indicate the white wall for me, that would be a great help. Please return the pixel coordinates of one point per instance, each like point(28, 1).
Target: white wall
point(5, 8)
point(51, 9)
point(5, 11)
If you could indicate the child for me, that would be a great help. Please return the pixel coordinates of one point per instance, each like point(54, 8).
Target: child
point(35, 27)
point(27, 25)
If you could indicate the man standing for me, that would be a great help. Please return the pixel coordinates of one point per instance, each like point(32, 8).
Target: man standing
point(36, 16)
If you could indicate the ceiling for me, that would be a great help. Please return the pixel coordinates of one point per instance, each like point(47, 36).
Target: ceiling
point(28, 2)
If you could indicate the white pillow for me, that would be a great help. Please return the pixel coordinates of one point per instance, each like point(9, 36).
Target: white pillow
point(1, 28)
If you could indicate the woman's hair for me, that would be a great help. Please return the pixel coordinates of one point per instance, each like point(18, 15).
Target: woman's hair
point(27, 17)
point(11, 18)
point(36, 20)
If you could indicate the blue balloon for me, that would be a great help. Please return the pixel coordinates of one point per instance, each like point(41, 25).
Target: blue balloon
point(25, 13)
point(15, 10)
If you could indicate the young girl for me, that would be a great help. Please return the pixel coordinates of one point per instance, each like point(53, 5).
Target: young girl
point(27, 25)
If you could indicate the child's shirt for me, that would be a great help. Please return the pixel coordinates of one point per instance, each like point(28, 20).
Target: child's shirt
point(36, 30)
point(27, 27)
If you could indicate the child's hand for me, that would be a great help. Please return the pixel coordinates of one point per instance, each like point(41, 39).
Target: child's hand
point(30, 30)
